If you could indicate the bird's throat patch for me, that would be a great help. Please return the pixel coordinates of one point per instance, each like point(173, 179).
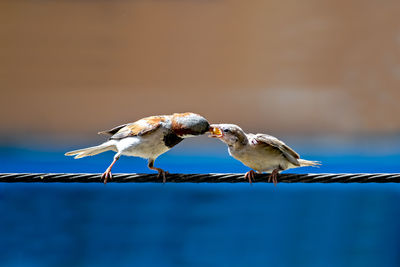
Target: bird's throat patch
point(171, 139)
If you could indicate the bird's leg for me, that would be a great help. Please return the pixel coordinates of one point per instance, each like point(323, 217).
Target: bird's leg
point(161, 172)
point(250, 176)
point(107, 174)
point(274, 177)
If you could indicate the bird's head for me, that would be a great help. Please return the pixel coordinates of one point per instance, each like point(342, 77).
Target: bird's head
point(189, 124)
point(230, 134)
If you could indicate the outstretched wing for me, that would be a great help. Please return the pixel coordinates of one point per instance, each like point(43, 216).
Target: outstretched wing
point(137, 128)
point(273, 142)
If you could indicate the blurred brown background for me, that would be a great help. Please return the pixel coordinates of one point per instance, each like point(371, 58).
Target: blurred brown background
point(69, 67)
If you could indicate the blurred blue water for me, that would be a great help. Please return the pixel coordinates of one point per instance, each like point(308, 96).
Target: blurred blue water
point(197, 224)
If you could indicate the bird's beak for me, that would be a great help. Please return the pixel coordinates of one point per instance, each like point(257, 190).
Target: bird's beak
point(215, 132)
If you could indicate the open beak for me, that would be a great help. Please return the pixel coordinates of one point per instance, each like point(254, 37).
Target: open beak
point(215, 132)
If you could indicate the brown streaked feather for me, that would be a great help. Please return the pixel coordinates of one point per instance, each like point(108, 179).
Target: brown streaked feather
point(154, 119)
point(287, 152)
point(140, 127)
point(182, 114)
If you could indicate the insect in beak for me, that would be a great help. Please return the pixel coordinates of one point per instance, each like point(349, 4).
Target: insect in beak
point(215, 132)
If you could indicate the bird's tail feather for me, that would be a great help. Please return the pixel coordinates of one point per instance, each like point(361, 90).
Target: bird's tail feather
point(91, 151)
point(304, 163)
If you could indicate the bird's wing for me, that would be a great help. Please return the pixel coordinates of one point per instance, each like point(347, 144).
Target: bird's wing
point(271, 141)
point(113, 130)
point(139, 128)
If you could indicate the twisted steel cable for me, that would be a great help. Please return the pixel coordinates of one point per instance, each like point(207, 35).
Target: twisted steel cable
point(200, 178)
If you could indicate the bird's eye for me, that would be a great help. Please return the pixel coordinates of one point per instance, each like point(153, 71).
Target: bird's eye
point(226, 130)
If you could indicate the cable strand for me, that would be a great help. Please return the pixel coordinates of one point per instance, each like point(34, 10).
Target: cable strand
point(199, 178)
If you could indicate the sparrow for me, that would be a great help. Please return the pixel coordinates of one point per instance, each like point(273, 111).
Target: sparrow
point(147, 138)
point(260, 152)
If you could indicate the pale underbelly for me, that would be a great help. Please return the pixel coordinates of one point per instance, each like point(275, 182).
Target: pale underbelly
point(141, 147)
point(263, 163)
point(264, 166)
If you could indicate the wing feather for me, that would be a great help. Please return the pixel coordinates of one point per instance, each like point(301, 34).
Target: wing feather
point(113, 130)
point(287, 152)
point(139, 128)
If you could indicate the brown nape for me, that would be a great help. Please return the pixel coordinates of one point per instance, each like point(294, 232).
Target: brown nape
point(180, 130)
point(189, 124)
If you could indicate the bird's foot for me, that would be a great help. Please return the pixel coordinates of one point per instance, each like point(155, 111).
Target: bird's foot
point(250, 176)
point(162, 173)
point(106, 175)
point(274, 177)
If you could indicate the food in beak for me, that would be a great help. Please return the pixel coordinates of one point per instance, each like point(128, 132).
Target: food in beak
point(215, 132)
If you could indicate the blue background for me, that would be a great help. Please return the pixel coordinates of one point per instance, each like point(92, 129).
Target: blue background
point(200, 224)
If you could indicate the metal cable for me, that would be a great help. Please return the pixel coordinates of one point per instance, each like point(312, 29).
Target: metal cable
point(200, 178)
